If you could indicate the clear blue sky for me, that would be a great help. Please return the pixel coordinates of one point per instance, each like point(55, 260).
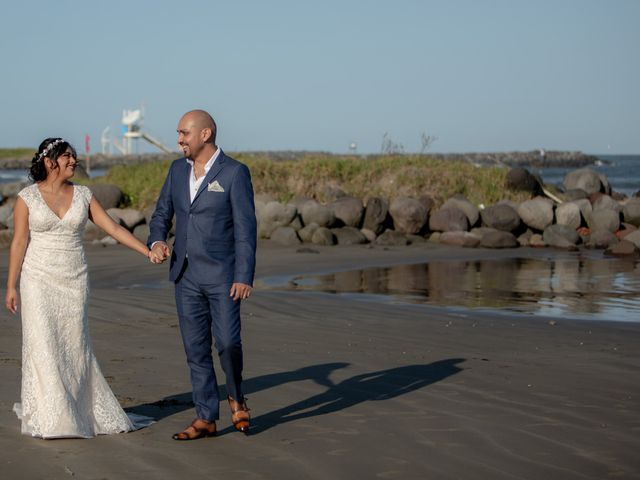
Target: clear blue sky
point(301, 75)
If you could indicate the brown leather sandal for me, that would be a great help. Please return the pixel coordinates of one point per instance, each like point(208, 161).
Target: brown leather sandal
point(240, 415)
point(192, 432)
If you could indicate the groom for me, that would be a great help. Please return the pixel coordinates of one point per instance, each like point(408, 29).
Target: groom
point(212, 264)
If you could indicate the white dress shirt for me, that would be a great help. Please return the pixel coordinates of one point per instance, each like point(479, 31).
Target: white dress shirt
point(194, 183)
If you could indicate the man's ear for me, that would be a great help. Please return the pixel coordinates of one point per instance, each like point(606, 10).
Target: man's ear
point(206, 134)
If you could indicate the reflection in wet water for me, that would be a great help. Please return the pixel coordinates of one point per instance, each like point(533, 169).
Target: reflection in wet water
point(594, 288)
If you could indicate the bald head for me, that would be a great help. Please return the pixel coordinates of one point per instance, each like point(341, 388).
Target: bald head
point(200, 120)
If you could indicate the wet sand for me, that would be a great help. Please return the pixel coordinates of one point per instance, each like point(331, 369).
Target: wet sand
point(347, 389)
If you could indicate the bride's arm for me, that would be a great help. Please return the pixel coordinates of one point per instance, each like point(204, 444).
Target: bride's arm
point(102, 219)
point(16, 252)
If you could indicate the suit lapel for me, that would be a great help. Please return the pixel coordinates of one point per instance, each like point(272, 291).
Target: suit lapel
point(211, 174)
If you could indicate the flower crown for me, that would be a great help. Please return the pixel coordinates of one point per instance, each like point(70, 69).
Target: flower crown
point(49, 147)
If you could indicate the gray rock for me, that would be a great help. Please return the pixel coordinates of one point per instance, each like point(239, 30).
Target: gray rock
point(332, 193)
point(631, 211)
point(264, 198)
point(470, 210)
point(482, 231)
point(141, 232)
point(416, 239)
point(369, 234)
point(536, 213)
point(391, 238)
point(634, 237)
point(501, 217)
point(285, 236)
point(560, 236)
point(449, 219)
point(109, 196)
point(536, 241)
point(569, 214)
point(296, 223)
point(623, 248)
point(409, 215)
point(6, 214)
point(323, 236)
point(129, 217)
point(348, 210)
point(314, 212)
point(524, 239)
point(461, 239)
point(427, 201)
point(601, 239)
point(498, 239)
point(585, 179)
point(5, 237)
point(306, 232)
point(375, 215)
point(520, 179)
point(575, 194)
point(272, 216)
point(434, 237)
point(604, 220)
point(348, 236)
point(12, 189)
point(605, 202)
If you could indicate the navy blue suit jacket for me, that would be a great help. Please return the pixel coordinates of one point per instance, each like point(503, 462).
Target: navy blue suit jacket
point(217, 231)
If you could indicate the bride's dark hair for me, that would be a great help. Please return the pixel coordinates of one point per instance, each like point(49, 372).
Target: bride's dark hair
point(51, 147)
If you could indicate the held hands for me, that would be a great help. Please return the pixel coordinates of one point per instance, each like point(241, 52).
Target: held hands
point(11, 300)
point(240, 291)
point(159, 252)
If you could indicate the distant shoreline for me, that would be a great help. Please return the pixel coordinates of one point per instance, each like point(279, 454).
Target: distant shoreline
point(509, 159)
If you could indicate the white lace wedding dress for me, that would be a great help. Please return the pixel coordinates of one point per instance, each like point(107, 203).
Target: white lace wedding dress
point(64, 393)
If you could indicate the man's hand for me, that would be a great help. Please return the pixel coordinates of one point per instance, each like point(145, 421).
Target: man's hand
point(240, 291)
point(159, 252)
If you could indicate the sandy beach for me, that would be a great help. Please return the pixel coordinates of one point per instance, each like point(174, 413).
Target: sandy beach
point(347, 389)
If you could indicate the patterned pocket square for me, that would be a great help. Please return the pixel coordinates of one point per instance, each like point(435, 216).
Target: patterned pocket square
point(215, 187)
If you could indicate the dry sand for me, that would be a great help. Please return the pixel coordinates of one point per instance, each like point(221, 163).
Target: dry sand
point(347, 389)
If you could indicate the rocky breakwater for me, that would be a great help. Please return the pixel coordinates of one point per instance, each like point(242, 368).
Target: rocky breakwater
point(585, 213)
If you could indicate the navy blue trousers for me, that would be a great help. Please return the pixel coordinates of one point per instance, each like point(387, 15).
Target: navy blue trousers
point(207, 313)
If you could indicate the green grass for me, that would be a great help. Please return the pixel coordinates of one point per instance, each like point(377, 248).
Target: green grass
point(386, 176)
point(12, 153)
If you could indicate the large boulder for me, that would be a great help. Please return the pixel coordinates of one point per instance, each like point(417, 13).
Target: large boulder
point(623, 248)
point(450, 219)
point(604, 220)
point(460, 239)
point(314, 212)
point(569, 214)
point(306, 232)
point(600, 201)
point(585, 179)
point(285, 236)
point(348, 236)
point(499, 239)
point(272, 216)
point(634, 237)
point(323, 236)
point(129, 217)
point(409, 215)
point(501, 217)
point(560, 236)
point(141, 232)
point(12, 189)
point(6, 214)
point(602, 239)
point(109, 196)
point(391, 238)
point(521, 179)
point(536, 213)
point(470, 210)
point(376, 214)
point(631, 211)
point(348, 210)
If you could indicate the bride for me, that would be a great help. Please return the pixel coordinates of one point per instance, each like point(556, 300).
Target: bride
point(64, 393)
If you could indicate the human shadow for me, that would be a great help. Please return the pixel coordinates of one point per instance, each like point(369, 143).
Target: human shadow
point(183, 401)
point(372, 386)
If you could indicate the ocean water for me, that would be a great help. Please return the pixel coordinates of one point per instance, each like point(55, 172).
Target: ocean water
point(623, 172)
point(11, 176)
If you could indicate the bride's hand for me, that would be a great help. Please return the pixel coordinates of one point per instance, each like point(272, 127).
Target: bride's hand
point(11, 300)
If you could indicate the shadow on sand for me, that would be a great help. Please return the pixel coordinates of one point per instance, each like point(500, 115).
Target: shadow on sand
point(372, 386)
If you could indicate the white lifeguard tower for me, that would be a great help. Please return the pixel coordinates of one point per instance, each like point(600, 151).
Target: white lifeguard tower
point(131, 134)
